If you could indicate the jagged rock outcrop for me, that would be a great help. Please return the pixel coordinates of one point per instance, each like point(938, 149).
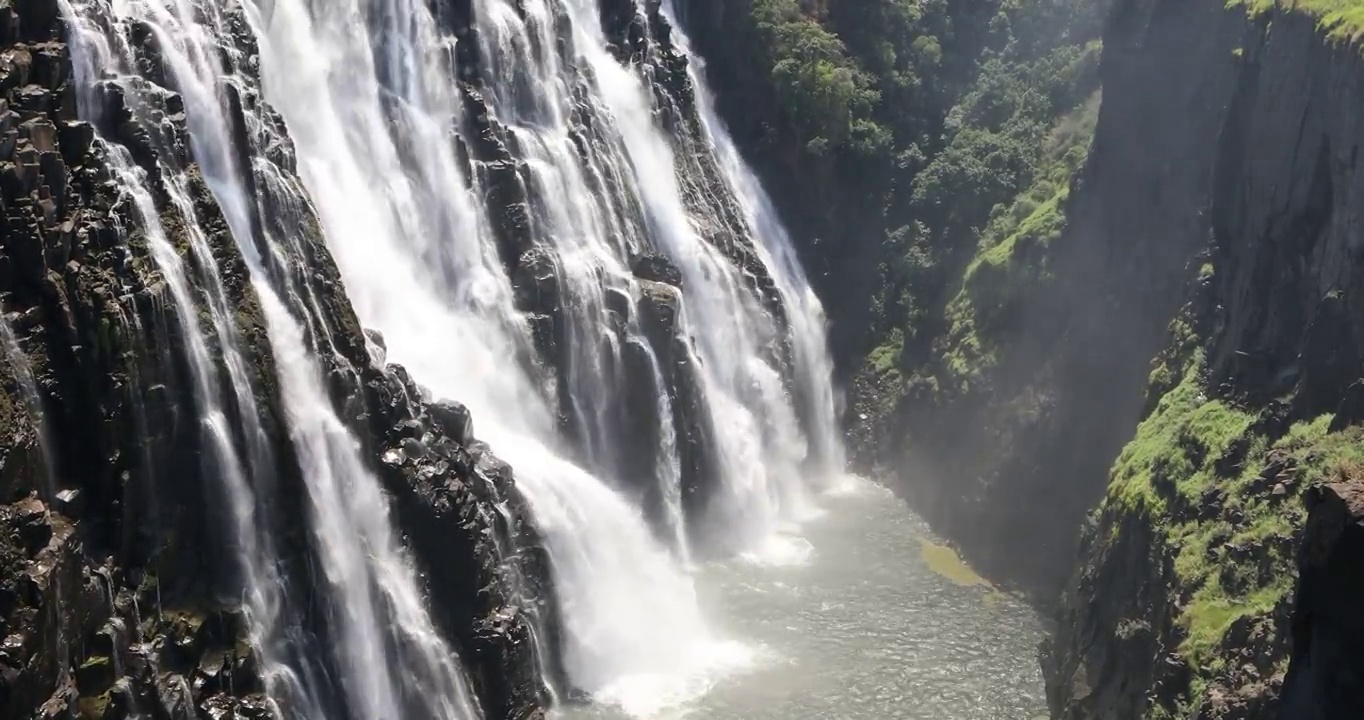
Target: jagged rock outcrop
point(469, 530)
point(118, 588)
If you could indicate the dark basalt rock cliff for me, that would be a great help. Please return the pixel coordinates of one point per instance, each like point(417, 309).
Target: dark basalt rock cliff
point(118, 588)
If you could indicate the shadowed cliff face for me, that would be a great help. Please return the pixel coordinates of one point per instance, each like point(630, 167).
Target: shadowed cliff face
point(1252, 405)
point(120, 588)
point(1009, 462)
point(1325, 675)
point(1183, 354)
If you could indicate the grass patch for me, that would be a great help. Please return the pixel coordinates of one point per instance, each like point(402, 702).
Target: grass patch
point(1339, 19)
point(1225, 499)
point(1212, 612)
point(1242, 563)
point(1175, 448)
point(885, 358)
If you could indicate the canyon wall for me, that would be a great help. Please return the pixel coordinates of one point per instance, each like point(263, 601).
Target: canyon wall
point(1244, 470)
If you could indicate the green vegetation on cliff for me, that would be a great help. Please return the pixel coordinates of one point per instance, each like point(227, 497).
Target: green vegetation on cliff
point(889, 130)
point(1217, 487)
point(975, 213)
point(1022, 285)
point(1012, 260)
point(825, 96)
point(866, 80)
point(1341, 19)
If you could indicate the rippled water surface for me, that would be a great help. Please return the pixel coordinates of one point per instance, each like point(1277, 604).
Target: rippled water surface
point(857, 625)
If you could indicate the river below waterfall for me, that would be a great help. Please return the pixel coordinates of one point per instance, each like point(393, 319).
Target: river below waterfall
point(867, 621)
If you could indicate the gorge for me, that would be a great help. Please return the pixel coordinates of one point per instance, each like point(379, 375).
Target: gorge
point(455, 359)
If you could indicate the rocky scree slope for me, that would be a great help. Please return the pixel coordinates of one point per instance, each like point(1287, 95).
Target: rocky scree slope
point(118, 587)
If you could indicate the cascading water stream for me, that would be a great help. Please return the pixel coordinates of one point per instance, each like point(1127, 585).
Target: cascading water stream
point(394, 662)
point(28, 389)
point(14, 355)
point(236, 476)
point(410, 175)
point(420, 266)
point(813, 366)
point(222, 461)
point(373, 102)
point(758, 440)
point(668, 470)
point(390, 660)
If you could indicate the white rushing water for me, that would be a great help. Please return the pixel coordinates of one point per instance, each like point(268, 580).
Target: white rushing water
point(392, 660)
point(879, 623)
point(369, 98)
point(371, 94)
point(28, 389)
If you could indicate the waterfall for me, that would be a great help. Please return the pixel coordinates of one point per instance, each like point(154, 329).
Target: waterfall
point(668, 468)
point(537, 207)
point(814, 388)
point(372, 132)
point(222, 462)
point(394, 662)
point(391, 661)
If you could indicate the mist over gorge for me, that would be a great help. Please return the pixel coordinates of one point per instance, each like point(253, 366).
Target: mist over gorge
point(603, 359)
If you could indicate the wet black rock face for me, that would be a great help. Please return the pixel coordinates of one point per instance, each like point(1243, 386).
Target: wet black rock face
point(119, 588)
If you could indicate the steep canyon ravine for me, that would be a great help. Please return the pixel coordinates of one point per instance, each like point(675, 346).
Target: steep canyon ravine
point(536, 213)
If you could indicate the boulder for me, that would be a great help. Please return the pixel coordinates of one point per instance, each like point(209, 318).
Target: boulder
point(536, 281)
point(454, 420)
point(656, 268)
